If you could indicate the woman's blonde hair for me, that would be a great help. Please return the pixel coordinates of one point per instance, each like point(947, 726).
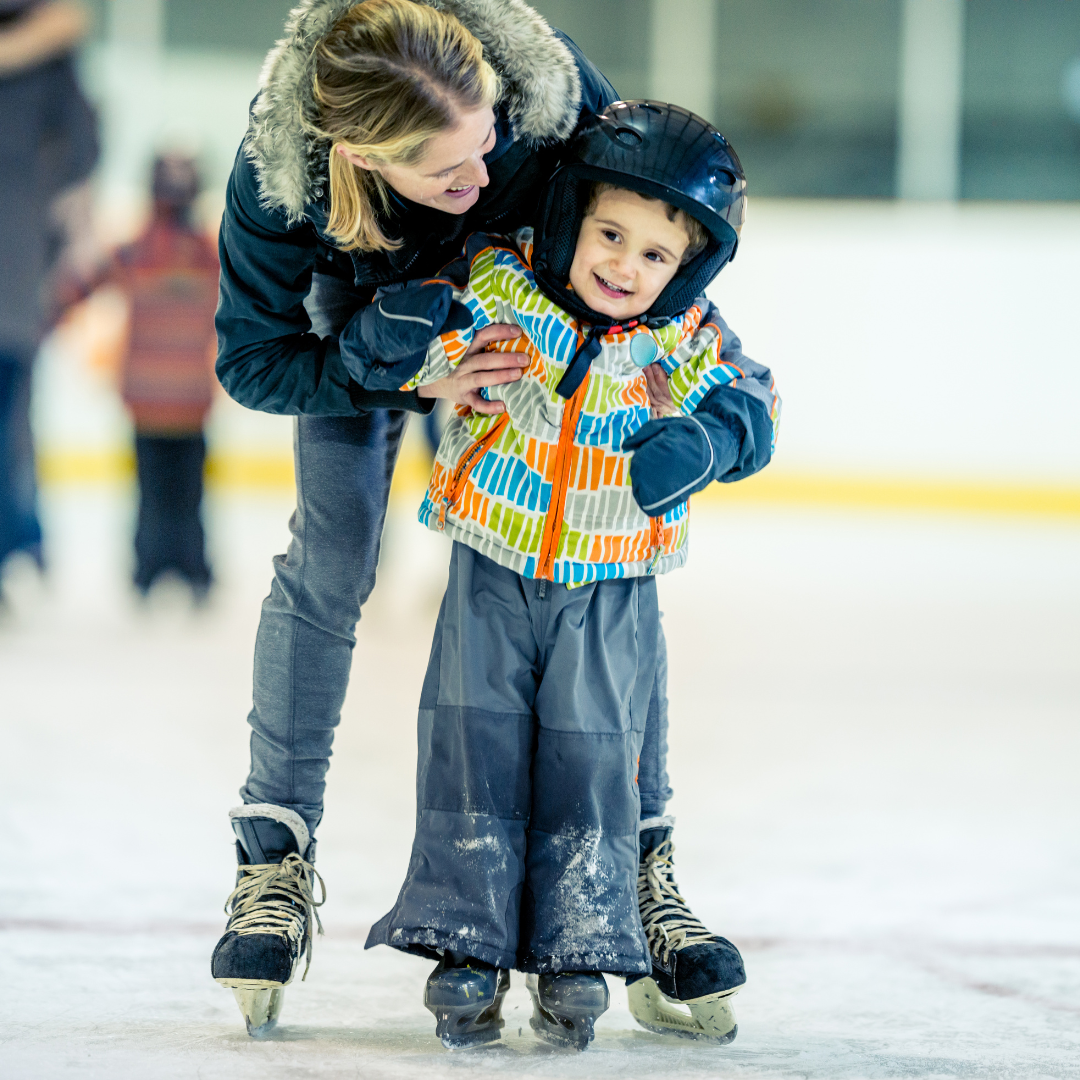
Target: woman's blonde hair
point(389, 76)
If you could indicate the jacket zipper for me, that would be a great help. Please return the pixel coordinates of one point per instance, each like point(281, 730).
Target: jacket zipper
point(557, 505)
point(656, 525)
point(466, 463)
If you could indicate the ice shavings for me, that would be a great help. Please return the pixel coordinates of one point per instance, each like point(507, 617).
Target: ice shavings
point(581, 909)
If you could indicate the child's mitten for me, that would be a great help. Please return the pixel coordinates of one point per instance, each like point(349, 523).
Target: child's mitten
point(385, 344)
point(676, 456)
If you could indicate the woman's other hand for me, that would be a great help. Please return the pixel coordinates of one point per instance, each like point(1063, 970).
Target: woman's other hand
point(659, 393)
point(479, 369)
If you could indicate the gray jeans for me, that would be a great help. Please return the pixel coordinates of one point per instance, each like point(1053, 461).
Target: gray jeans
point(303, 650)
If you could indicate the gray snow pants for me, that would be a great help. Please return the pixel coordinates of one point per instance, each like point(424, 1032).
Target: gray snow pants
point(530, 731)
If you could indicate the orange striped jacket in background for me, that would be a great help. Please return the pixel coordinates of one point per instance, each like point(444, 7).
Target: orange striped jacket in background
point(170, 277)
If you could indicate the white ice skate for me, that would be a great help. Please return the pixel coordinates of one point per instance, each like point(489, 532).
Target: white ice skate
point(271, 912)
point(709, 1017)
point(692, 967)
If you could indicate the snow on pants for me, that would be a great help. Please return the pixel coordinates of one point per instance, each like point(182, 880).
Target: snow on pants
point(530, 730)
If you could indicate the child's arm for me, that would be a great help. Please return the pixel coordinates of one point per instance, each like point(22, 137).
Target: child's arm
point(728, 429)
point(419, 332)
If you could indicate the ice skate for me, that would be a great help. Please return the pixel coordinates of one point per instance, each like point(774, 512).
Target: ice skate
point(466, 999)
point(566, 1006)
point(270, 912)
point(691, 966)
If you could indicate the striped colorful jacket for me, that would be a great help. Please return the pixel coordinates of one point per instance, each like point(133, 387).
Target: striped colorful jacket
point(544, 488)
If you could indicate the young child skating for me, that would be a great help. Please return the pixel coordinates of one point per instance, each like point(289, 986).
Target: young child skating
point(563, 509)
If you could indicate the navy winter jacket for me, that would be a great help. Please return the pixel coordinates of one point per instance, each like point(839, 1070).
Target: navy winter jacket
point(273, 234)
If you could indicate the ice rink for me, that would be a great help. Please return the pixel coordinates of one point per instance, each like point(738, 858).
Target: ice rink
point(874, 748)
point(875, 714)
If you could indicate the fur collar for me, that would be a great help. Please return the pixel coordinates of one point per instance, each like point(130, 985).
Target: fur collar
point(542, 90)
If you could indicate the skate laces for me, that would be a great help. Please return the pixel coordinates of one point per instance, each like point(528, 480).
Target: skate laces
point(277, 898)
point(670, 925)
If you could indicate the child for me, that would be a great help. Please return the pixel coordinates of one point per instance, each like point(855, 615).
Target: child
point(562, 509)
point(169, 276)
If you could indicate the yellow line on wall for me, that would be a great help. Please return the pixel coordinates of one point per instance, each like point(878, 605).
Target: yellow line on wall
point(888, 493)
point(774, 487)
point(85, 466)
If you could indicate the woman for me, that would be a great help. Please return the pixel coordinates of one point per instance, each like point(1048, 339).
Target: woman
point(384, 134)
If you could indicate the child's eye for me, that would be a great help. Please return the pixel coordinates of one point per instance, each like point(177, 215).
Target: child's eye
point(612, 236)
point(654, 256)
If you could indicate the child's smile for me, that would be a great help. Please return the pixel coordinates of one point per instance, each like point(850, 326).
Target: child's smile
point(627, 252)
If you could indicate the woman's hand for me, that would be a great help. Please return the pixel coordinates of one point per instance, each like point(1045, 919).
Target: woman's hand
point(659, 393)
point(479, 369)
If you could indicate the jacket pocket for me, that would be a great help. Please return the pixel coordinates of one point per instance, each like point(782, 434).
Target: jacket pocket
point(466, 463)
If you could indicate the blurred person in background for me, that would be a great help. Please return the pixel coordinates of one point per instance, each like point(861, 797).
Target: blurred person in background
point(48, 147)
point(169, 277)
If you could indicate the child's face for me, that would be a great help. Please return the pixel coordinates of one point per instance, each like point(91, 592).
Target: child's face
point(627, 252)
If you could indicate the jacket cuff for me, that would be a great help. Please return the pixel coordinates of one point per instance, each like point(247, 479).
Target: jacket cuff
point(385, 344)
point(370, 400)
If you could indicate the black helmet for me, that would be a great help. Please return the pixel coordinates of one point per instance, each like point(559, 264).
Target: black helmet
point(660, 150)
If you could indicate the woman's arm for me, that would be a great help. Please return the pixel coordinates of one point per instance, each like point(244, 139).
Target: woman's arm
point(48, 31)
point(268, 358)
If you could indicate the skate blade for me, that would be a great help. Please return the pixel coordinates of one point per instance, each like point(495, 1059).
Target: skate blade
point(459, 1029)
point(710, 1018)
point(571, 1029)
point(565, 1032)
point(453, 1041)
point(260, 1005)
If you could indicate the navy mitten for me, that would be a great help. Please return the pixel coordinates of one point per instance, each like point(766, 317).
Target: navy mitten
point(385, 344)
point(676, 456)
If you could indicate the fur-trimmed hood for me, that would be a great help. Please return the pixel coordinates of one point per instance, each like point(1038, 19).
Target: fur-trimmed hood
point(541, 96)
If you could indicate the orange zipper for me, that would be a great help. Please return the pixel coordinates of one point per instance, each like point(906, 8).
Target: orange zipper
point(563, 457)
point(466, 463)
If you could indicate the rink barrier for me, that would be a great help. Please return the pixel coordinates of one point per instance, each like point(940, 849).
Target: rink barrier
point(773, 487)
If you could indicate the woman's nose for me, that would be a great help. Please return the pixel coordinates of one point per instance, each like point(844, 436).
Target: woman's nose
point(474, 171)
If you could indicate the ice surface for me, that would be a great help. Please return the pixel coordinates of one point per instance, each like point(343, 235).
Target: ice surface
point(874, 747)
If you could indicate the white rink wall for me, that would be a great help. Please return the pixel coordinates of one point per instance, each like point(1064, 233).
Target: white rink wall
point(915, 340)
point(927, 342)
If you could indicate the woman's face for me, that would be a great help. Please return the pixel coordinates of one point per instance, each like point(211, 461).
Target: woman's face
point(451, 173)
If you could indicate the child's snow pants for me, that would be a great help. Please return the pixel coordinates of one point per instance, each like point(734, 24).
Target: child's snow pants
point(530, 729)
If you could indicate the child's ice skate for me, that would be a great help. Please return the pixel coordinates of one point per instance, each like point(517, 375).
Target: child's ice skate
point(566, 1005)
point(466, 998)
point(691, 966)
point(270, 912)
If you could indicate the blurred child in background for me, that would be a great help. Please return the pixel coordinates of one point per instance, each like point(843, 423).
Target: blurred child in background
point(169, 277)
